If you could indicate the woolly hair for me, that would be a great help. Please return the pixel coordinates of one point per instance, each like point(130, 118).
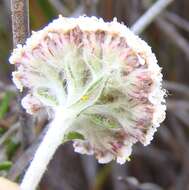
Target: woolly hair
point(100, 70)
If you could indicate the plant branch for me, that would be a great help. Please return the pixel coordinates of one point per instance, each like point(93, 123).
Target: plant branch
point(10, 131)
point(170, 31)
point(150, 16)
point(177, 20)
point(176, 87)
point(59, 7)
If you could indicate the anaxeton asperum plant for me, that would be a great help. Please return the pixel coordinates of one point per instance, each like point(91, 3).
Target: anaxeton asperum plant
point(100, 83)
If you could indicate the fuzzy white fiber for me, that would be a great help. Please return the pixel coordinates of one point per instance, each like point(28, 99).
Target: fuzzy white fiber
point(100, 141)
point(46, 150)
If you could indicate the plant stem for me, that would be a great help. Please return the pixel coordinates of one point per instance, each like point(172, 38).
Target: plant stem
point(52, 140)
point(20, 21)
point(21, 31)
point(150, 15)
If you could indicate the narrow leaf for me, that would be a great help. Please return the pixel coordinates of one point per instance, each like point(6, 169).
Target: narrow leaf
point(6, 165)
point(4, 105)
point(73, 135)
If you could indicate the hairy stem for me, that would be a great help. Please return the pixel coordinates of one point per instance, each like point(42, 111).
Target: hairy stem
point(52, 140)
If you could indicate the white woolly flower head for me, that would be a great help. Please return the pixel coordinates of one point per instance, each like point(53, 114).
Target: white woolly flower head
point(101, 70)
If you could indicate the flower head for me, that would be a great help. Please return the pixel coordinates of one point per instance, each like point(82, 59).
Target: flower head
point(100, 70)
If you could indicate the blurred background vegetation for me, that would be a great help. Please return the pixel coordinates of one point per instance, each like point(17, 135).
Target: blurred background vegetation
point(162, 165)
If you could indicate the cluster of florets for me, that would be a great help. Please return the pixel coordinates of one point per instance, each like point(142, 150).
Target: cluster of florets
point(103, 71)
